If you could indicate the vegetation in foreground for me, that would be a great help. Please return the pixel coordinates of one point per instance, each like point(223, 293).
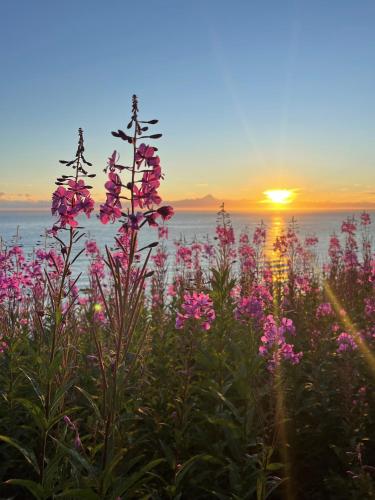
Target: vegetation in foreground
point(220, 375)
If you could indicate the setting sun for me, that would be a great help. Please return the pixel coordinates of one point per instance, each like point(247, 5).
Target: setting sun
point(279, 196)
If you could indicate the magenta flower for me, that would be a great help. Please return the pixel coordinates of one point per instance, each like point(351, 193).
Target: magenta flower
point(311, 241)
point(225, 235)
point(109, 213)
point(346, 342)
point(145, 176)
point(348, 226)
point(69, 204)
point(370, 306)
point(166, 212)
point(113, 185)
point(135, 220)
point(144, 153)
point(151, 219)
point(324, 309)
point(91, 247)
point(78, 188)
point(112, 160)
point(160, 258)
point(196, 306)
point(183, 255)
point(365, 219)
point(72, 197)
point(58, 199)
point(274, 345)
point(259, 237)
point(162, 232)
point(334, 250)
point(86, 205)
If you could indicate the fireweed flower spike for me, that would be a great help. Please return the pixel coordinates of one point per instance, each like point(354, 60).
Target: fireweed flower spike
point(72, 197)
point(132, 198)
point(274, 346)
point(70, 200)
point(198, 307)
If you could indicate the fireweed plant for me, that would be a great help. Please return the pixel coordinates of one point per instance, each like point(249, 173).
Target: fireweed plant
point(235, 368)
point(69, 201)
point(133, 202)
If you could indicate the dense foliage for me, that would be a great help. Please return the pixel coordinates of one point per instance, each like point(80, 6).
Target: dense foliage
point(225, 371)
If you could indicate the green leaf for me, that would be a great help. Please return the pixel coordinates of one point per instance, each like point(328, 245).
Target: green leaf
point(124, 485)
point(107, 474)
point(93, 405)
point(189, 463)
point(55, 366)
point(275, 466)
point(60, 393)
point(84, 493)
point(35, 489)
point(36, 412)
point(56, 418)
point(35, 386)
point(79, 459)
point(28, 454)
point(52, 471)
point(231, 406)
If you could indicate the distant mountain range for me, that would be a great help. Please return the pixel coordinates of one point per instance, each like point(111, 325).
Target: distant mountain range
point(208, 203)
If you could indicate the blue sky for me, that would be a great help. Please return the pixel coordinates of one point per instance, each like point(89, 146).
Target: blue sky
point(250, 95)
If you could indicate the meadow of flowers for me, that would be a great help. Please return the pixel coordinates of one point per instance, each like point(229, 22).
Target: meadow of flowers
point(218, 372)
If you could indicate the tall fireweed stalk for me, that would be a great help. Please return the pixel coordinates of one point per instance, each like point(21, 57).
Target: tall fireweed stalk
point(134, 202)
point(70, 200)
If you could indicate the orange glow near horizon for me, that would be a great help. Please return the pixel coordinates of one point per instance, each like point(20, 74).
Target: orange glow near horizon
point(279, 197)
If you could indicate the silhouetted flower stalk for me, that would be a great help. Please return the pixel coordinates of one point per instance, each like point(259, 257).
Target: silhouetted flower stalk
point(70, 200)
point(159, 280)
point(226, 239)
point(135, 204)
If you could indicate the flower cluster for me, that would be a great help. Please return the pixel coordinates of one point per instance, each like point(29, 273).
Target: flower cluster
point(142, 188)
point(370, 306)
point(334, 250)
point(246, 254)
point(259, 237)
point(349, 226)
point(346, 342)
point(196, 306)
point(324, 309)
point(274, 345)
point(72, 198)
point(111, 209)
point(225, 235)
point(365, 219)
point(311, 241)
point(253, 306)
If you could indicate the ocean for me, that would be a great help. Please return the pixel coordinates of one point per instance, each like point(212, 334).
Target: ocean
point(28, 228)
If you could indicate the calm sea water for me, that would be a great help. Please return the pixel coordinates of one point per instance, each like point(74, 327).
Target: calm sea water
point(30, 227)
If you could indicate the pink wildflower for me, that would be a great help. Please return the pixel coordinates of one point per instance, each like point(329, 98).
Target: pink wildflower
point(324, 309)
point(365, 219)
point(274, 345)
point(196, 306)
point(345, 342)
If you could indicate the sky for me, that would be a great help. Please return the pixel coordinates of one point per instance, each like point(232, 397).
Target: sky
point(251, 95)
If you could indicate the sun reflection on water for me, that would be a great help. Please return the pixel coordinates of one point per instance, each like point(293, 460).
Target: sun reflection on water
point(277, 227)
